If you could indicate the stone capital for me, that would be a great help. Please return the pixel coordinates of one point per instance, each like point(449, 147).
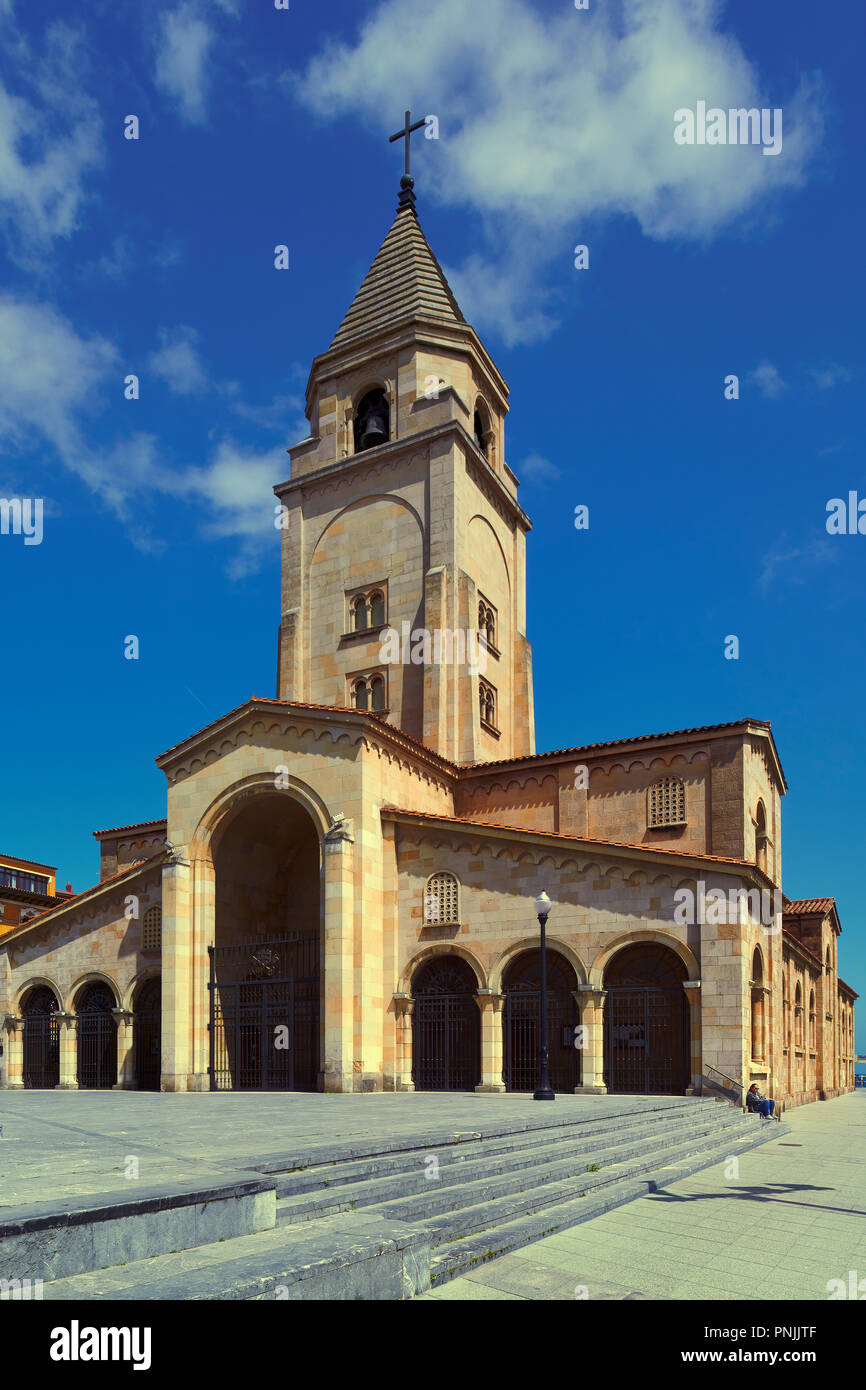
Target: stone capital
point(122, 1015)
point(12, 1022)
point(404, 1005)
point(488, 999)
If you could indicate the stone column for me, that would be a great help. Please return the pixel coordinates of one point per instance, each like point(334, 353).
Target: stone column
point(13, 1071)
point(696, 1066)
point(68, 1052)
point(125, 1051)
point(590, 1001)
point(339, 991)
point(176, 972)
point(202, 935)
point(491, 1006)
point(404, 1008)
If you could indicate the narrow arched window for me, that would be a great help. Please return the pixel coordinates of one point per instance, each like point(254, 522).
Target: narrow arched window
point(372, 420)
point(377, 609)
point(487, 704)
point(442, 900)
point(377, 693)
point(151, 929)
point(359, 614)
point(798, 1016)
point(667, 803)
point(360, 695)
point(812, 1027)
point(761, 837)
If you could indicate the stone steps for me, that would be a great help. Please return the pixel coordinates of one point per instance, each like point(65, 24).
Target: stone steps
point(365, 1221)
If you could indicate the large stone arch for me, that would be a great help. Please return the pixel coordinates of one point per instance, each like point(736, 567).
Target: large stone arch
point(531, 943)
point(443, 948)
point(91, 977)
point(634, 938)
point(232, 799)
point(37, 982)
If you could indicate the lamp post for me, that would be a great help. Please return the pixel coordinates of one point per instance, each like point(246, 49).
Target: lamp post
point(544, 1092)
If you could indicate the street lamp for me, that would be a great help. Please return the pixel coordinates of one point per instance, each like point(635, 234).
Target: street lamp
point(544, 1092)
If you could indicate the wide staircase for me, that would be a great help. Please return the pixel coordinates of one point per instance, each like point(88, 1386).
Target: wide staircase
point(389, 1219)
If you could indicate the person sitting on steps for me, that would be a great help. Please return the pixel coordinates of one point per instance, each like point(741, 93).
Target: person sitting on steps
point(758, 1103)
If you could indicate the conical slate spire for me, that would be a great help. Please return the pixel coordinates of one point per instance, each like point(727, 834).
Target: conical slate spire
point(404, 282)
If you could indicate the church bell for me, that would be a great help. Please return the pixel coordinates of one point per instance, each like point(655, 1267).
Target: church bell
point(374, 431)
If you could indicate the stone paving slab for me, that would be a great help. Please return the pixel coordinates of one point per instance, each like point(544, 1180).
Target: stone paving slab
point(790, 1220)
point(56, 1144)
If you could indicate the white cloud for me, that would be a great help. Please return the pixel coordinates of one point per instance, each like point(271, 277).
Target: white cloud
point(51, 377)
point(796, 563)
point(50, 141)
point(768, 380)
point(537, 469)
point(549, 121)
point(181, 60)
point(825, 378)
point(177, 362)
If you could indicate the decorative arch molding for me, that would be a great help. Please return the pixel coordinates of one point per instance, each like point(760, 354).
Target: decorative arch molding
point(378, 469)
point(635, 938)
point(37, 982)
point(91, 977)
point(477, 516)
point(404, 985)
point(649, 763)
point(150, 972)
point(531, 943)
point(389, 497)
point(233, 798)
point(486, 789)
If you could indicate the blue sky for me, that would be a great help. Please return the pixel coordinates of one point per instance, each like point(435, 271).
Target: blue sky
point(259, 127)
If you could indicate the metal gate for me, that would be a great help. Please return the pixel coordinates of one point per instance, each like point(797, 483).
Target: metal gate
point(446, 1027)
point(97, 1039)
point(645, 1040)
point(522, 988)
point(264, 1015)
point(41, 1040)
point(147, 1036)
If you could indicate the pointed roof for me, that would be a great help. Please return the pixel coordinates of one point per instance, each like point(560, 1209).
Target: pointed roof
point(404, 282)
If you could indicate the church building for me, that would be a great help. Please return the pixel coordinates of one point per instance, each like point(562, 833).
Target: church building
point(341, 895)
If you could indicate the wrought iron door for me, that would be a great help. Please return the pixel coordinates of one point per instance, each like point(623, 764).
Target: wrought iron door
point(264, 1015)
point(523, 1023)
point(147, 1034)
point(446, 1027)
point(97, 1039)
point(41, 1040)
point(645, 1040)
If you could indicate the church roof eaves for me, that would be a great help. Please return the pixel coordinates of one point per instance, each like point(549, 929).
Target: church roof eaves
point(77, 899)
point(763, 725)
point(520, 832)
point(134, 825)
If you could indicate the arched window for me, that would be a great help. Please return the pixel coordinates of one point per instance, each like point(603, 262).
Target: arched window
point(372, 420)
point(481, 427)
point(786, 1012)
point(758, 1030)
point(487, 622)
point(377, 608)
point(442, 900)
point(761, 837)
point(487, 704)
point(360, 695)
point(812, 1028)
point(829, 962)
point(798, 1016)
point(377, 693)
point(667, 803)
point(359, 614)
point(151, 929)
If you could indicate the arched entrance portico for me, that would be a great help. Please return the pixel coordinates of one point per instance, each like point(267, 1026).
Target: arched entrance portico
point(147, 1023)
point(446, 1042)
point(522, 1020)
point(97, 1037)
point(646, 1021)
point(265, 963)
point(39, 1010)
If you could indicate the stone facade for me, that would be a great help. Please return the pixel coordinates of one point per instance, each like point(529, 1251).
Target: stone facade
point(405, 842)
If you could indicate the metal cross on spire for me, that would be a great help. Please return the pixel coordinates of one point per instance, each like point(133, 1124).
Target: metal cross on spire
point(407, 182)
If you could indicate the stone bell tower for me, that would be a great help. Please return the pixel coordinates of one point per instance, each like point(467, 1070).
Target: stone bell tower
point(401, 518)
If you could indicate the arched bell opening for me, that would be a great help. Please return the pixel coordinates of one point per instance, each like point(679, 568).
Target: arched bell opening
point(646, 1022)
point(446, 1025)
point(372, 422)
point(39, 1009)
point(522, 1023)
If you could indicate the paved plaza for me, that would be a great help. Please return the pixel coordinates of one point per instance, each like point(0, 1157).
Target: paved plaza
point(76, 1143)
point(791, 1220)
